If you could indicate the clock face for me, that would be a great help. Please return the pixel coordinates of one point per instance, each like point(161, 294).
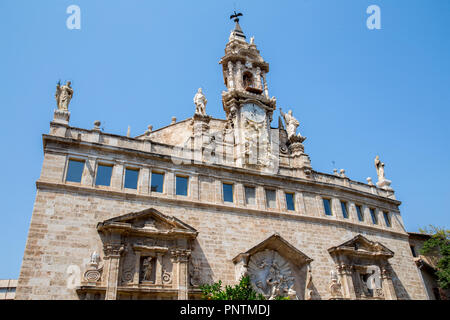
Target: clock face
point(253, 112)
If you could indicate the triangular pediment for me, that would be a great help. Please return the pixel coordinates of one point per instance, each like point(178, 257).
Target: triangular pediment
point(277, 243)
point(360, 245)
point(149, 221)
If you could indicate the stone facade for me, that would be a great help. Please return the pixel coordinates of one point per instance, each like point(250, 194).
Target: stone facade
point(91, 241)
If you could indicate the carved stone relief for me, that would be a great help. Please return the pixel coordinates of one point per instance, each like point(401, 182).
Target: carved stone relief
point(271, 274)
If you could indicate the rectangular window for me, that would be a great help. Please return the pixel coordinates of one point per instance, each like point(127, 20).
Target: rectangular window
point(327, 207)
point(250, 195)
point(413, 251)
point(75, 171)
point(387, 219)
point(182, 186)
point(374, 216)
point(290, 201)
point(157, 183)
point(271, 198)
point(344, 209)
point(104, 173)
point(227, 192)
point(131, 178)
point(359, 213)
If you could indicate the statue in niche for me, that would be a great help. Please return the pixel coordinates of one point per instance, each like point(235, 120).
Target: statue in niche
point(335, 285)
point(291, 126)
point(380, 168)
point(63, 95)
point(200, 103)
point(147, 268)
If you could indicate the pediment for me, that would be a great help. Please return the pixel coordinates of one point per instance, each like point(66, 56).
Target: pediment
point(276, 243)
point(149, 221)
point(360, 245)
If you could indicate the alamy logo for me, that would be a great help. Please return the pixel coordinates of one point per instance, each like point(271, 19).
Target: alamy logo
point(74, 20)
point(374, 20)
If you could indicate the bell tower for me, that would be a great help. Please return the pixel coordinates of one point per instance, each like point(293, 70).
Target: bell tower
point(246, 102)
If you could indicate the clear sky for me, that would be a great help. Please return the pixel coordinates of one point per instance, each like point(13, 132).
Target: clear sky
point(357, 92)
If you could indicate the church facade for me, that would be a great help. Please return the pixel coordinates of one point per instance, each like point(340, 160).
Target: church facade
point(205, 199)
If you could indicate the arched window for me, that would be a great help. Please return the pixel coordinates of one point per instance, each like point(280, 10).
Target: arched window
point(248, 80)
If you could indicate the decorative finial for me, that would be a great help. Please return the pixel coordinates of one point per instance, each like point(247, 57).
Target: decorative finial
point(236, 16)
point(128, 132)
point(97, 124)
point(369, 181)
point(174, 120)
point(342, 173)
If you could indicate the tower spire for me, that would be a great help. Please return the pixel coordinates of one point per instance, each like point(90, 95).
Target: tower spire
point(237, 33)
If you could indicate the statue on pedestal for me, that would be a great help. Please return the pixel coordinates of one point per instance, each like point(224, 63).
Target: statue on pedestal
point(63, 96)
point(291, 127)
point(382, 181)
point(200, 103)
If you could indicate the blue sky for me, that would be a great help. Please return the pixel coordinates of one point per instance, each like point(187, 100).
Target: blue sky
point(356, 92)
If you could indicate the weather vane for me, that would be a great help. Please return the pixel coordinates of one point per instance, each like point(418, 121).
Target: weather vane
point(236, 16)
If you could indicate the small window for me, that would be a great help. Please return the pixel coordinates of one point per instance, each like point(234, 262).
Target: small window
point(344, 209)
point(413, 251)
point(271, 198)
point(250, 195)
point(227, 192)
point(103, 175)
point(3, 290)
point(374, 216)
point(359, 213)
point(387, 219)
point(290, 201)
point(131, 178)
point(75, 171)
point(327, 207)
point(157, 183)
point(182, 186)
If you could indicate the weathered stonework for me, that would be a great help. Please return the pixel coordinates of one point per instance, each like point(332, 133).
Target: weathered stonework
point(160, 245)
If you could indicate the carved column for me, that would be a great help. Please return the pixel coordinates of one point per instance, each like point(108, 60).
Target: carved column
point(112, 255)
point(159, 265)
point(230, 78)
point(180, 260)
point(258, 78)
point(345, 273)
point(137, 267)
point(238, 79)
point(266, 88)
point(388, 286)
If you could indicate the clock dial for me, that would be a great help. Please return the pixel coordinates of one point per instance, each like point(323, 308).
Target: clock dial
point(254, 112)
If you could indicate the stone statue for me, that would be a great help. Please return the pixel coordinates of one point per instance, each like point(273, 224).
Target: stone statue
point(63, 96)
point(94, 258)
point(200, 103)
point(380, 168)
point(382, 181)
point(147, 269)
point(335, 285)
point(291, 124)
